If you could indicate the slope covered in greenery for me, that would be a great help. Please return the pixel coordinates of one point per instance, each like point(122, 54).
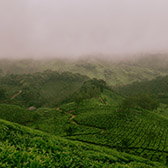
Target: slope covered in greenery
point(135, 131)
point(47, 88)
point(15, 114)
point(24, 147)
point(113, 72)
point(157, 87)
point(100, 121)
point(109, 129)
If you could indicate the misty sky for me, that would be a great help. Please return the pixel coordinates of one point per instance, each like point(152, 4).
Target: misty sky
point(72, 28)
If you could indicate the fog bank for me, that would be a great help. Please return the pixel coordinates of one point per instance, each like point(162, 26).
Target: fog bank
point(75, 28)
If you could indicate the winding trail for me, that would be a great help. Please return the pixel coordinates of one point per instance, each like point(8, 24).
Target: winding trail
point(100, 98)
point(15, 95)
point(72, 117)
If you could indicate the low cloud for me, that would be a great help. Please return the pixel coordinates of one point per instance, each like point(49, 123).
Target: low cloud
point(73, 28)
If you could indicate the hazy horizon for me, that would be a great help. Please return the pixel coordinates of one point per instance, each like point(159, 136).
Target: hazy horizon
point(75, 29)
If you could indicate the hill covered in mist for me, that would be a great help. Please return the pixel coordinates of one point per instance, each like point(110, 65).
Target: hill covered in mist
point(65, 101)
point(121, 72)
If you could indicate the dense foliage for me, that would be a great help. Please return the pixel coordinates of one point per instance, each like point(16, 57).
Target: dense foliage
point(91, 88)
point(104, 124)
point(2, 94)
point(157, 87)
point(23, 147)
point(113, 72)
point(41, 89)
point(145, 101)
point(15, 114)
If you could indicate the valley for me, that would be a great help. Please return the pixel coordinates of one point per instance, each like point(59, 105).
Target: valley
point(67, 119)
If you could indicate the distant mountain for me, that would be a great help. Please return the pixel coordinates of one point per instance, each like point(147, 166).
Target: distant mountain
point(113, 72)
point(154, 61)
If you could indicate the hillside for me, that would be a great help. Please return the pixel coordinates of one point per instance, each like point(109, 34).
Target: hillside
point(47, 88)
point(114, 72)
point(24, 147)
point(84, 122)
point(158, 61)
point(157, 87)
point(83, 84)
point(99, 121)
point(139, 132)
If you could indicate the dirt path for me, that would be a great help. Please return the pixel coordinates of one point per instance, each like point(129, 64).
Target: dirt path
point(15, 95)
point(72, 120)
point(102, 100)
point(72, 117)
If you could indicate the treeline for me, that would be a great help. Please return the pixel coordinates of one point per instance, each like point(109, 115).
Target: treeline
point(91, 88)
point(31, 86)
point(19, 66)
point(157, 87)
point(40, 78)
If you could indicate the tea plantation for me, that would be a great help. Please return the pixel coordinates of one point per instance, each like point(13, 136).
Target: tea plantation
point(24, 147)
point(79, 122)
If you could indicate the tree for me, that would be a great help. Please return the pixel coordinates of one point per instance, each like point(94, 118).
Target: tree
point(91, 88)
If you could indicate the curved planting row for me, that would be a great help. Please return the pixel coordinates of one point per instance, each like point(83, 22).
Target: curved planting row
point(133, 134)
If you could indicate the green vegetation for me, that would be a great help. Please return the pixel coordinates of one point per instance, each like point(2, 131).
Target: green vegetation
point(145, 101)
point(80, 121)
point(41, 89)
point(91, 88)
point(15, 114)
point(113, 72)
point(157, 87)
point(2, 94)
point(138, 132)
point(23, 147)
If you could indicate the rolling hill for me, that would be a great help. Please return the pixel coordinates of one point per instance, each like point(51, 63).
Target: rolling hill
point(24, 147)
point(99, 121)
point(47, 88)
point(114, 72)
point(157, 87)
point(82, 122)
